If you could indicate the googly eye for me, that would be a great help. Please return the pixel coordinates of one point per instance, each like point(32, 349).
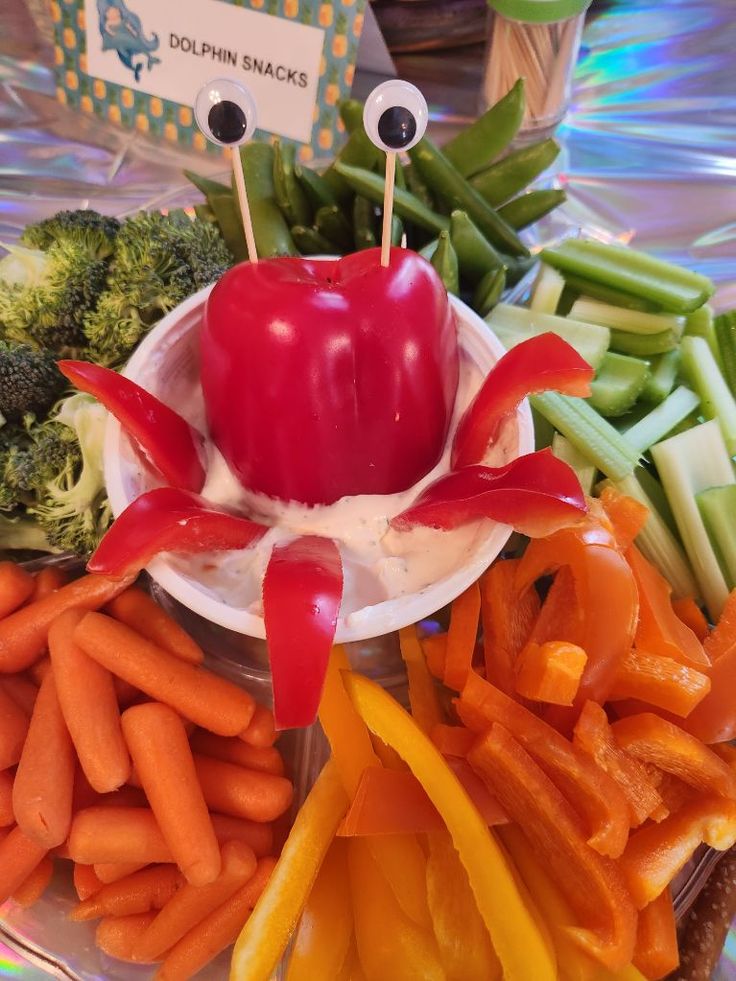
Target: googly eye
point(225, 112)
point(395, 115)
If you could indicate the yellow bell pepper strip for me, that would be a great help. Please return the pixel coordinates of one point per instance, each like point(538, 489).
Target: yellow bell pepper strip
point(390, 945)
point(399, 857)
point(653, 739)
point(598, 800)
point(591, 883)
point(461, 637)
point(425, 705)
point(465, 946)
point(518, 941)
point(508, 619)
point(660, 681)
point(323, 937)
point(656, 953)
point(594, 737)
point(657, 852)
point(265, 936)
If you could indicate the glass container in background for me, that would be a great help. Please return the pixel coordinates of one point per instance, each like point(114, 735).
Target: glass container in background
point(537, 40)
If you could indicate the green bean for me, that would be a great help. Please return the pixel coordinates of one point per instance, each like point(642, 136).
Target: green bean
point(269, 225)
point(475, 254)
point(448, 184)
point(290, 196)
point(444, 261)
point(502, 180)
point(488, 291)
point(334, 226)
point(476, 146)
point(316, 188)
point(530, 207)
point(405, 204)
point(364, 234)
point(310, 242)
point(351, 113)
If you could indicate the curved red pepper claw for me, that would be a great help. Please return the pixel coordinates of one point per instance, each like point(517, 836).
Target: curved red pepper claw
point(170, 444)
point(169, 520)
point(540, 364)
point(302, 590)
point(536, 494)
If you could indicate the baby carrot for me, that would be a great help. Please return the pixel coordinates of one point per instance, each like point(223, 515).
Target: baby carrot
point(141, 613)
point(140, 892)
point(23, 634)
point(267, 759)
point(16, 586)
point(34, 885)
point(6, 799)
point(217, 931)
point(191, 904)
point(47, 581)
point(234, 790)
point(197, 694)
point(19, 856)
point(38, 671)
point(126, 694)
point(108, 872)
point(44, 780)
point(86, 880)
point(89, 706)
point(163, 760)
point(13, 730)
point(116, 935)
point(117, 835)
point(257, 835)
point(261, 730)
point(22, 690)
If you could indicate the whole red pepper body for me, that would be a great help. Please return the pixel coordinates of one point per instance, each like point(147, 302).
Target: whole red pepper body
point(326, 378)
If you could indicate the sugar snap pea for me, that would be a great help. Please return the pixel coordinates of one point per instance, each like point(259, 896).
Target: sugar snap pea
point(351, 113)
point(488, 291)
point(269, 225)
point(530, 207)
point(310, 242)
point(418, 187)
point(357, 152)
point(408, 207)
point(205, 213)
point(517, 267)
point(289, 193)
point(608, 294)
point(316, 188)
point(475, 254)
point(510, 175)
point(230, 224)
point(451, 186)
point(334, 226)
point(364, 231)
point(482, 141)
point(397, 230)
point(444, 260)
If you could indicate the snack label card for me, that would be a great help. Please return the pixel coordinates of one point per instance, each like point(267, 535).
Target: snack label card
point(142, 64)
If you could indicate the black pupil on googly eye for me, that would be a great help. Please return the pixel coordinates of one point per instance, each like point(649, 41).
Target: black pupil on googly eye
point(227, 121)
point(397, 127)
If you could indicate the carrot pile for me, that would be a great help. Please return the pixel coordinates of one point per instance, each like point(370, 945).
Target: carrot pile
point(120, 752)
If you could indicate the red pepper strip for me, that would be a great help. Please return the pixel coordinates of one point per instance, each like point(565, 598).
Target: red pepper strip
point(507, 622)
point(660, 681)
point(536, 494)
point(540, 364)
point(657, 852)
point(170, 444)
point(598, 800)
point(653, 739)
point(656, 952)
point(393, 802)
point(593, 736)
point(660, 630)
point(169, 520)
point(302, 590)
point(591, 883)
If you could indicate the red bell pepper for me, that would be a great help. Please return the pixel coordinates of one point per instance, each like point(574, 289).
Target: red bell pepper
point(536, 494)
point(540, 364)
point(169, 520)
point(173, 447)
point(302, 590)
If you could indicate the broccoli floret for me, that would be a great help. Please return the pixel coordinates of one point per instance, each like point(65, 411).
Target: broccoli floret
point(21, 533)
point(35, 454)
point(93, 231)
point(29, 381)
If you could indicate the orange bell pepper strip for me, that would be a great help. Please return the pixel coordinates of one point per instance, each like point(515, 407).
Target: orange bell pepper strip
point(465, 946)
point(550, 672)
point(266, 934)
point(660, 681)
point(714, 719)
point(607, 598)
point(591, 883)
point(652, 739)
point(325, 931)
point(656, 953)
point(723, 638)
point(627, 515)
point(425, 705)
point(593, 736)
point(560, 617)
point(435, 651)
point(660, 630)
point(687, 610)
point(508, 618)
point(657, 852)
point(594, 795)
point(452, 740)
point(521, 946)
point(461, 637)
point(727, 753)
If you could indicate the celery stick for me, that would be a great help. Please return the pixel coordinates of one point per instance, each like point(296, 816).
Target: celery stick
point(725, 328)
point(652, 487)
point(662, 420)
point(589, 432)
point(677, 290)
point(658, 544)
point(663, 370)
point(701, 323)
point(515, 324)
point(597, 291)
point(716, 401)
point(547, 290)
point(618, 384)
point(718, 508)
point(643, 345)
point(632, 321)
point(571, 455)
point(687, 464)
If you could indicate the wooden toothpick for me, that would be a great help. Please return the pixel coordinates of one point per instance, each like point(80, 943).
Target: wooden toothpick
point(388, 206)
point(250, 240)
